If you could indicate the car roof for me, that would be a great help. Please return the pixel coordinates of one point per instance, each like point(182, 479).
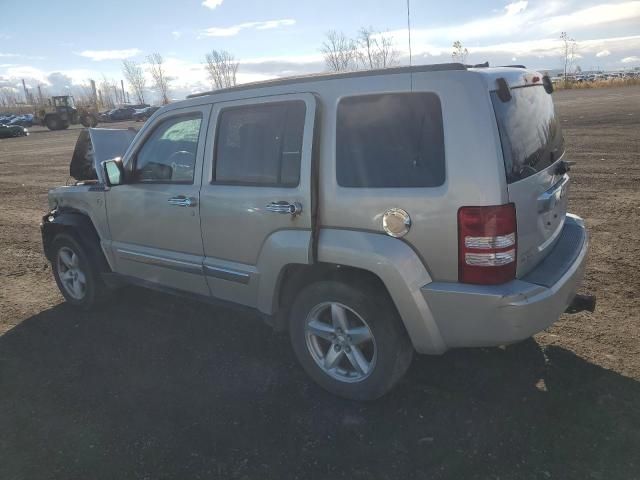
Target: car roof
point(515, 76)
point(315, 77)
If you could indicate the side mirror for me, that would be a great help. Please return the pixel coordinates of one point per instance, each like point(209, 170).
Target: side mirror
point(113, 171)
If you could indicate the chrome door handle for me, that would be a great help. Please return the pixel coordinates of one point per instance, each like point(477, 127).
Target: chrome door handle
point(182, 201)
point(286, 208)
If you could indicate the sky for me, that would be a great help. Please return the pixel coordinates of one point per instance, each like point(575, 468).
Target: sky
point(60, 45)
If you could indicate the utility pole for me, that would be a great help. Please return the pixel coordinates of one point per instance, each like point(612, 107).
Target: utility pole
point(94, 96)
point(26, 93)
point(40, 95)
point(123, 96)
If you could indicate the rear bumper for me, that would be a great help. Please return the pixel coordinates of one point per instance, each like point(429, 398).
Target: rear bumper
point(476, 315)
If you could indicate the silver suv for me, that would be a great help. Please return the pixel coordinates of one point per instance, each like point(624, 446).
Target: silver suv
point(370, 214)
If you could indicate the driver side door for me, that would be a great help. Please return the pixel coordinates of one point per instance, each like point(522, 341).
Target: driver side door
point(154, 218)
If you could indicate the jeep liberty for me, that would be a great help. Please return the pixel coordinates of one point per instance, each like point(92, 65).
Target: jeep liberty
point(371, 214)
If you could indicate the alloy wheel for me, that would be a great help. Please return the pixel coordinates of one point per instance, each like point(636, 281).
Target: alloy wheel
point(72, 278)
point(340, 342)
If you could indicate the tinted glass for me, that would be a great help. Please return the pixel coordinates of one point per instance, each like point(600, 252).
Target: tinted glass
point(169, 154)
point(390, 140)
point(260, 144)
point(529, 131)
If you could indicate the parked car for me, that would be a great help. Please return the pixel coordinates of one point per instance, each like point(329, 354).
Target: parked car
point(117, 114)
point(143, 114)
point(25, 120)
point(9, 131)
point(372, 214)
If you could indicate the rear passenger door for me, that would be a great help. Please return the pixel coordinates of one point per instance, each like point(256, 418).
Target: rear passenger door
point(256, 210)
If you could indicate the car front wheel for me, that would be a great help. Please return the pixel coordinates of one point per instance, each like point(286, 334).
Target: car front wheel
point(77, 278)
point(349, 339)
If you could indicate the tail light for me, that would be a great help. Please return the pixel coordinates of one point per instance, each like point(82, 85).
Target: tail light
point(487, 244)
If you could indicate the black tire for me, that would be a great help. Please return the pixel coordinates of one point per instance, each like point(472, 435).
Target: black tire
point(393, 349)
point(53, 122)
point(85, 120)
point(95, 291)
point(64, 125)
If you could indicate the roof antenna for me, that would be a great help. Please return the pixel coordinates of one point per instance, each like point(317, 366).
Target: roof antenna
point(409, 30)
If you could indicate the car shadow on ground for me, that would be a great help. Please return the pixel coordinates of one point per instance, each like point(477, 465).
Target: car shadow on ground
point(155, 387)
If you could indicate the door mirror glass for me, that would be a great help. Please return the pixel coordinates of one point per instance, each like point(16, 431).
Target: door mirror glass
point(113, 172)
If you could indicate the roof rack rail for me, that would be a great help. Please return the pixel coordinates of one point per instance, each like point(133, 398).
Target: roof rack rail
point(514, 66)
point(438, 67)
point(479, 65)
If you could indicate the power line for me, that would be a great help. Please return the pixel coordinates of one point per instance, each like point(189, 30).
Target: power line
point(409, 29)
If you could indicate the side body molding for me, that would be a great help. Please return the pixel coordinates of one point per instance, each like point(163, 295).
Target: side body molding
point(401, 271)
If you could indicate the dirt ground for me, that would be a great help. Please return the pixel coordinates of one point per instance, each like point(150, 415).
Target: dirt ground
point(154, 387)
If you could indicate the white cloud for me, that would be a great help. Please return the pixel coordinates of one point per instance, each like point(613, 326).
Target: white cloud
point(100, 55)
point(212, 4)
point(516, 7)
point(603, 53)
point(176, 34)
point(9, 54)
point(596, 15)
point(235, 29)
point(544, 18)
point(25, 71)
point(632, 59)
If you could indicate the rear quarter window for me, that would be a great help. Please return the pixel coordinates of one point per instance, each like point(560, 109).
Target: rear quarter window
point(390, 140)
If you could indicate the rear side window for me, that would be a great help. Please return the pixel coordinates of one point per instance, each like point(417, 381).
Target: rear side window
point(260, 144)
point(529, 131)
point(390, 140)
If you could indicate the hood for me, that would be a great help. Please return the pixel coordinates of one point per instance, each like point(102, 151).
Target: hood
point(95, 145)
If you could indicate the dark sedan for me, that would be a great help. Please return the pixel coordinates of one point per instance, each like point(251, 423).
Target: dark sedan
point(118, 114)
point(9, 131)
point(143, 114)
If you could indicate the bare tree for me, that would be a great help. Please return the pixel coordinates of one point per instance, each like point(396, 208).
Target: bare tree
point(83, 95)
point(107, 88)
point(569, 47)
point(375, 50)
point(340, 53)
point(134, 74)
point(8, 96)
point(460, 53)
point(160, 79)
point(222, 68)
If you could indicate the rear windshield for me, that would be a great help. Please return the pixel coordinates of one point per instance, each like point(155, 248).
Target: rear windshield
point(529, 131)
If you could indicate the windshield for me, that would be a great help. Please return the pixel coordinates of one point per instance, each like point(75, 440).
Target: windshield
point(63, 102)
point(529, 131)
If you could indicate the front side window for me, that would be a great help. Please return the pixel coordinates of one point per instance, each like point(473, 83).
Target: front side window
point(260, 144)
point(390, 140)
point(169, 154)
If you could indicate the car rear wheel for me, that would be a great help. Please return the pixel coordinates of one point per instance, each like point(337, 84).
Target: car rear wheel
point(76, 276)
point(349, 339)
